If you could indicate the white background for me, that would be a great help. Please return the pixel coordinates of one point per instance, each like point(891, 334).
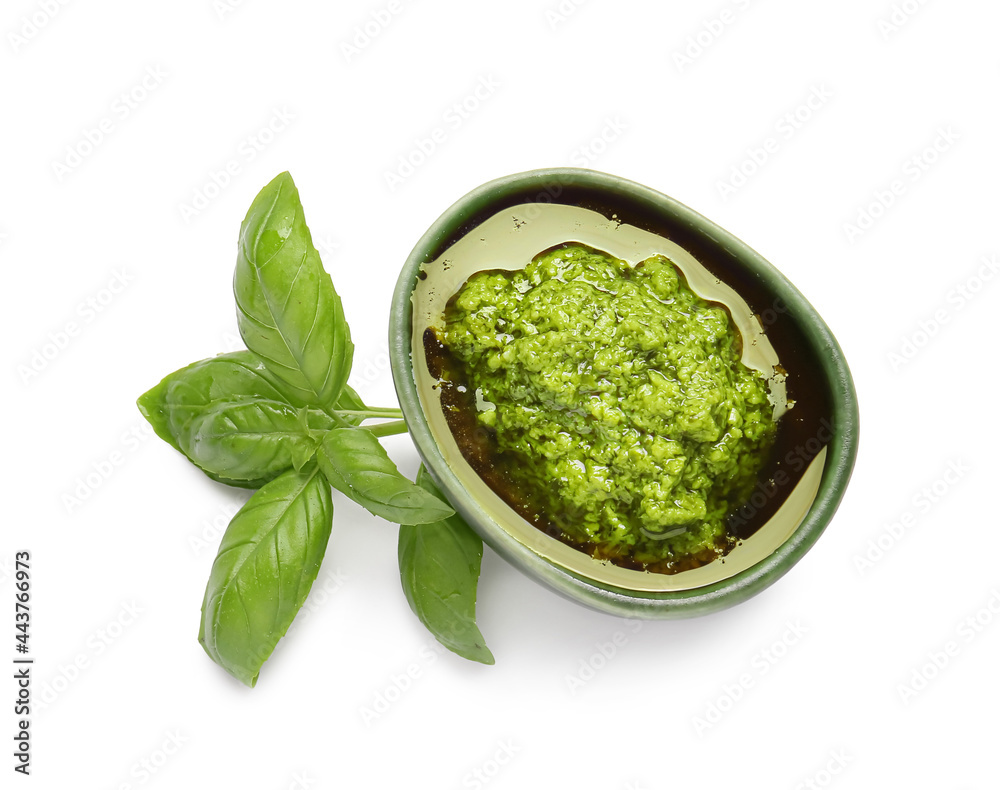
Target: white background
point(822, 678)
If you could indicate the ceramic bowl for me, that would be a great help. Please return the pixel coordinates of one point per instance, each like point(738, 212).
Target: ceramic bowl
point(503, 224)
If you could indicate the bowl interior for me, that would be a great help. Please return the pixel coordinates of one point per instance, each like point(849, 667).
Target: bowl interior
point(502, 226)
point(508, 240)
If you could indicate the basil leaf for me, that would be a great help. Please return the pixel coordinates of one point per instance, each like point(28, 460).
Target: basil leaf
point(287, 309)
point(356, 464)
point(302, 453)
point(229, 416)
point(439, 567)
point(171, 404)
point(268, 560)
point(250, 439)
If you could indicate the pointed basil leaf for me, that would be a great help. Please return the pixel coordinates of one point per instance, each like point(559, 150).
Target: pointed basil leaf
point(288, 311)
point(229, 416)
point(439, 567)
point(268, 560)
point(355, 464)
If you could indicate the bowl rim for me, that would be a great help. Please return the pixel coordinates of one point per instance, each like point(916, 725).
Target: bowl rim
point(841, 450)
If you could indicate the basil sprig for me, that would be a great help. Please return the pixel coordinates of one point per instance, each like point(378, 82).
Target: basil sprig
point(280, 417)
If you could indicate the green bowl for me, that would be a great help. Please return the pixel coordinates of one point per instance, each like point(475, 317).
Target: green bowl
point(504, 223)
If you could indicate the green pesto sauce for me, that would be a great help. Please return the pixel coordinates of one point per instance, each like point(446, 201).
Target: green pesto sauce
point(616, 400)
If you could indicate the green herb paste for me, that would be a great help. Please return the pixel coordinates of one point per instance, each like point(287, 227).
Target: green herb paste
point(615, 401)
